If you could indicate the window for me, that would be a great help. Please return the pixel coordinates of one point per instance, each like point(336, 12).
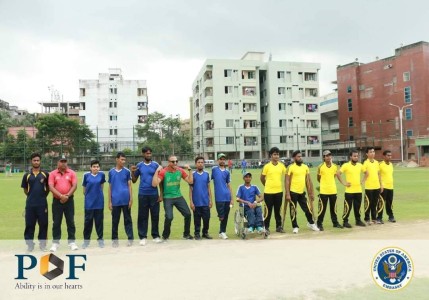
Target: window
point(141, 119)
point(209, 142)
point(310, 76)
point(229, 123)
point(249, 91)
point(349, 105)
point(283, 139)
point(349, 89)
point(408, 114)
point(363, 127)
point(407, 94)
point(113, 131)
point(82, 92)
point(249, 124)
point(141, 92)
point(282, 106)
point(114, 91)
point(281, 91)
point(250, 141)
point(228, 89)
point(113, 104)
point(409, 133)
point(227, 72)
point(282, 123)
point(406, 76)
point(311, 107)
point(249, 107)
point(113, 118)
point(229, 140)
point(312, 139)
point(350, 121)
point(280, 74)
point(228, 106)
point(140, 105)
point(312, 124)
point(250, 75)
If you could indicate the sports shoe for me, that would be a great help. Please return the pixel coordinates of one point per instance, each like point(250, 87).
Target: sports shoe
point(73, 246)
point(157, 240)
point(295, 230)
point(347, 225)
point(115, 244)
point(188, 237)
point(313, 227)
point(368, 223)
point(143, 242)
point(43, 247)
point(101, 244)
point(85, 245)
point(197, 237)
point(321, 227)
point(361, 224)
point(207, 236)
point(259, 229)
point(223, 236)
point(30, 247)
point(379, 222)
point(130, 243)
point(338, 225)
point(280, 229)
point(54, 247)
point(392, 220)
point(267, 231)
point(250, 230)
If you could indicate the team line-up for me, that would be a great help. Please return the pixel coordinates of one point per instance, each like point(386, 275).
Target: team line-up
point(162, 185)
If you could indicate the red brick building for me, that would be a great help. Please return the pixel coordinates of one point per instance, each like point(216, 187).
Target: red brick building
point(364, 94)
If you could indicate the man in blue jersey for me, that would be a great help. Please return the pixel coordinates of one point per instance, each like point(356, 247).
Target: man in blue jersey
point(93, 184)
point(35, 186)
point(200, 199)
point(148, 196)
point(249, 196)
point(121, 199)
point(223, 193)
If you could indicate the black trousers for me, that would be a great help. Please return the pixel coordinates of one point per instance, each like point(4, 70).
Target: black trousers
point(128, 222)
point(273, 201)
point(148, 203)
point(33, 215)
point(371, 200)
point(388, 204)
point(323, 204)
point(201, 212)
point(58, 210)
point(302, 200)
point(182, 206)
point(352, 200)
point(93, 216)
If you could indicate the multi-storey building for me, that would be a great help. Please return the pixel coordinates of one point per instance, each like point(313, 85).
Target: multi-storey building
point(372, 95)
point(244, 107)
point(112, 107)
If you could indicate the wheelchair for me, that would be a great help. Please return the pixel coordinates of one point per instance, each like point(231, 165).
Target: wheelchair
point(241, 224)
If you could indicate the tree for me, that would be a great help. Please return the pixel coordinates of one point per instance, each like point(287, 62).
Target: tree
point(59, 134)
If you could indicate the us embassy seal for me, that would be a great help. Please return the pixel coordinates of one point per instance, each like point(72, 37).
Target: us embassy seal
point(392, 268)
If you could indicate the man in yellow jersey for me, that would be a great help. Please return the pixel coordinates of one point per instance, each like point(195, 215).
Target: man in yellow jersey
point(386, 173)
point(373, 186)
point(326, 174)
point(297, 179)
point(271, 178)
point(353, 193)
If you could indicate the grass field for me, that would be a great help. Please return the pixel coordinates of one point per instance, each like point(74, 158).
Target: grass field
point(410, 204)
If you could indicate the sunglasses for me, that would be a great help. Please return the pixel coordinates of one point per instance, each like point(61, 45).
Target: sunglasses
point(174, 161)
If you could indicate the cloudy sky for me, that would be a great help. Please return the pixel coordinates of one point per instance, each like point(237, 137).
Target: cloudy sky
point(57, 42)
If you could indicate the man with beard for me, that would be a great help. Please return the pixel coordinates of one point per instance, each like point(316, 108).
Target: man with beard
point(373, 186)
point(386, 173)
point(223, 193)
point(353, 192)
point(35, 186)
point(148, 196)
point(297, 179)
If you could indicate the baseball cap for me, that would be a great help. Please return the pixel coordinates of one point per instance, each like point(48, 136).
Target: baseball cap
point(220, 155)
point(326, 152)
point(247, 174)
point(62, 158)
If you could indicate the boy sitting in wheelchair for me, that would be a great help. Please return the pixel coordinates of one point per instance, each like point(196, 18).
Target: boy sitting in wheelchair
point(250, 199)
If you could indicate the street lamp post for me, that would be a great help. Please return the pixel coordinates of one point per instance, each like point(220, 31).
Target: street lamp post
point(400, 111)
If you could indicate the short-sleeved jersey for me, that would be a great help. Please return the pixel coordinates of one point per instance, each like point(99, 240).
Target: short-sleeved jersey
point(353, 173)
point(298, 173)
point(327, 179)
point(200, 188)
point(119, 180)
point(36, 185)
point(274, 177)
point(372, 182)
point(171, 182)
point(386, 173)
point(248, 193)
point(94, 196)
point(221, 178)
point(146, 172)
point(62, 181)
